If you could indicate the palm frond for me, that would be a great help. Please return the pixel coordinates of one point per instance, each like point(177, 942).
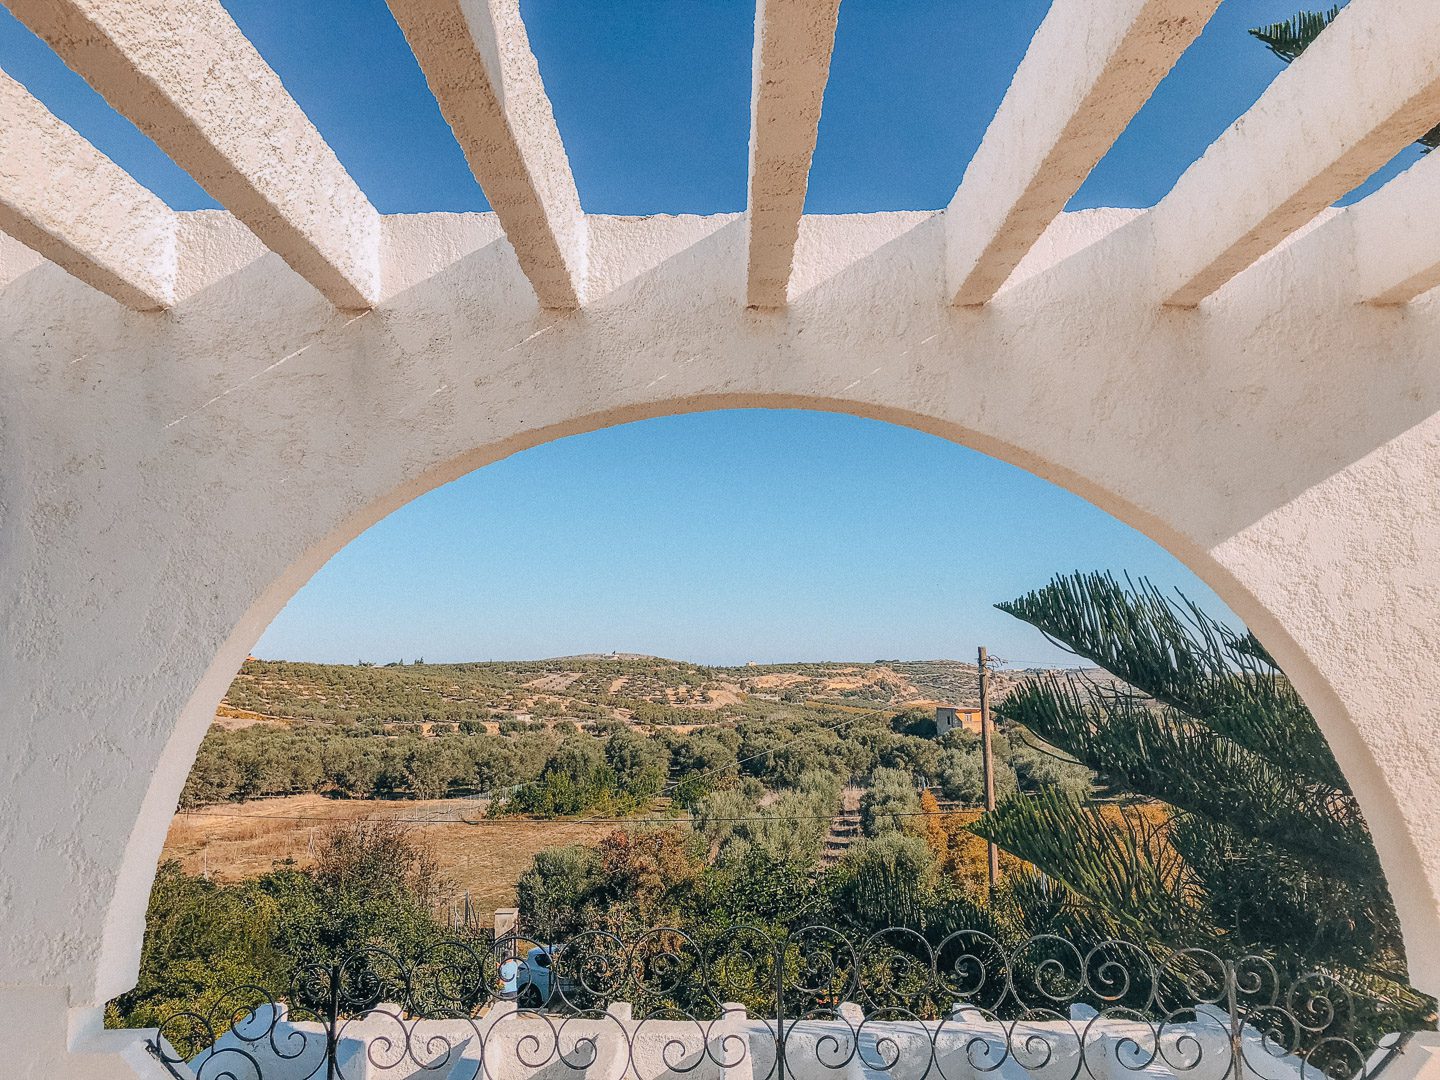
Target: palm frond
point(1161, 753)
point(1183, 658)
point(1290, 38)
point(1265, 849)
point(1121, 863)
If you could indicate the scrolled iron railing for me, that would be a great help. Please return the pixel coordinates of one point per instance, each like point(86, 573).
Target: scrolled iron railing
point(811, 1004)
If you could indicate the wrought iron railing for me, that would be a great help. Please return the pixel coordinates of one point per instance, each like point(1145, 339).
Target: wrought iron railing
point(811, 1004)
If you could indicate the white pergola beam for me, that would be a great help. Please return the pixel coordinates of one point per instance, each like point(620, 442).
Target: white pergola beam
point(477, 59)
point(186, 76)
point(1396, 236)
point(793, 43)
point(70, 203)
point(1366, 88)
point(1089, 68)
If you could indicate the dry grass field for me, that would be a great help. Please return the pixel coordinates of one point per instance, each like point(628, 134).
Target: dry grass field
point(235, 841)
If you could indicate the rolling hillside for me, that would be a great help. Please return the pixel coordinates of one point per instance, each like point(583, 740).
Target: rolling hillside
point(298, 747)
point(627, 689)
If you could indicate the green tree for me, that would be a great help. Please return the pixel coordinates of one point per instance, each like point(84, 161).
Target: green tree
point(575, 778)
point(213, 778)
point(432, 766)
point(491, 762)
point(201, 940)
point(556, 895)
point(628, 882)
point(789, 827)
point(352, 767)
point(889, 802)
point(1032, 767)
point(754, 887)
point(703, 762)
point(373, 882)
point(721, 817)
point(640, 764)
point(887, 880)
point(648, 875)
point(961, 773)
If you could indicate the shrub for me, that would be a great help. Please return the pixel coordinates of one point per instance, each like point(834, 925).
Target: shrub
point(889, 802)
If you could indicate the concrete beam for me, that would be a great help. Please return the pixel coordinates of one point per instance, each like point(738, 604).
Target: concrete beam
point(477, 59)
point(70, 203)
point(1367, 87)
point(186, 76)
point(1396, 236)
point(1087, 71)
point(793, 43)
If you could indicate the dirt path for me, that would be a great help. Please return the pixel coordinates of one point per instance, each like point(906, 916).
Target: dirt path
point(554, 683)
point(844, 827)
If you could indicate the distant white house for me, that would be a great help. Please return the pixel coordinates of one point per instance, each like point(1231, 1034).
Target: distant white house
point(950, 718)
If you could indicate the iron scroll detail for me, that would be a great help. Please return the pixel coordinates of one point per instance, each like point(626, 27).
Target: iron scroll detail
point(749, 1004)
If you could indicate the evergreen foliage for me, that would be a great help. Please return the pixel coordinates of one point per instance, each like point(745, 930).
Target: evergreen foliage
point(1290, 38)
point(889, 802)
point(889, 880)
point(373, 883)
point(1261, 848)
point(789, 827)
point(1234, 830)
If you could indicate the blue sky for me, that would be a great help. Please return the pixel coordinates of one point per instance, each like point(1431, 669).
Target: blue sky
point(718, 537)
point(731, 536)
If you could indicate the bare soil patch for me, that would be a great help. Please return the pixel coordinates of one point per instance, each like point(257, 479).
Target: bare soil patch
point(554, 683)
point(229, 718)
point(235, 841)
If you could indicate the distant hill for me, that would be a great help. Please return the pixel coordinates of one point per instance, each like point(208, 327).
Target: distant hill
point(625, 688)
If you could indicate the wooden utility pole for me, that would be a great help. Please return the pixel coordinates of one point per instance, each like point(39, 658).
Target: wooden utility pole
point(987, 758)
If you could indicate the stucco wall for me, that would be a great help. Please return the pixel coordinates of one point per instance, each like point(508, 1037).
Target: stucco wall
point(168, 480)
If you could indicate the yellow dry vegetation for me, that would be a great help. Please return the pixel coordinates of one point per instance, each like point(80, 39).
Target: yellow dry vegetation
point(963, 853)
point(235, 841)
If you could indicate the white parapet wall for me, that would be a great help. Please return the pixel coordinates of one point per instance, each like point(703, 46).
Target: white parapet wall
point(504, 1044)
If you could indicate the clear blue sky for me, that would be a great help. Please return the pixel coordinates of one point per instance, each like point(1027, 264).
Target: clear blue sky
point(731, 536)
point(719, 537)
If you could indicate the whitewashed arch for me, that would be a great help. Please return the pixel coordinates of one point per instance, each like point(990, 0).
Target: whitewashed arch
point(197, 409)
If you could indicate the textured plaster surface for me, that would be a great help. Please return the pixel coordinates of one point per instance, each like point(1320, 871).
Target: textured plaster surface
point(476, 57)
point(793, 43)
point(1367, 88)
point(182, 71)
point(168, 480)
point(73, 205)
point(1087, 71)
point(1397, 235)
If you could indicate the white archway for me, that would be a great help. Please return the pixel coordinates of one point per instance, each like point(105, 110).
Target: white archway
point(173, 515)
point(121, 944)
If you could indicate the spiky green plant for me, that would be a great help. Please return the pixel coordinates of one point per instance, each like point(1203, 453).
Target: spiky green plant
point(1259, 845)
point(1290, 38)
